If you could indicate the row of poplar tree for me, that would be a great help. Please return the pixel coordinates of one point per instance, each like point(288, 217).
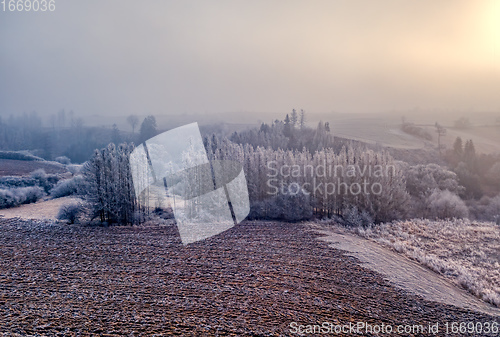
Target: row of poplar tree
point(296, 192)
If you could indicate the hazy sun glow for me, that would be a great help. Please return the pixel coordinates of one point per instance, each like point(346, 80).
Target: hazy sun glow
point(491, 28)
point(261, 55)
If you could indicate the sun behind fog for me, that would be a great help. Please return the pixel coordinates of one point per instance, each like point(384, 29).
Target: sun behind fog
point(492, 26)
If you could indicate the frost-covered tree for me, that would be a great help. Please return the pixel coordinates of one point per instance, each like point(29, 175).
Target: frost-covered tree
point(458, 147)
point(493, 174)
point(263, 167)
point(133, 120)
point(469, 180)
point(422, 180)
point(148, 128)
point(116, 138)
point(302, 121)
point(294, 118)
point(108, 188)
point(445, 205)
point(470, 155)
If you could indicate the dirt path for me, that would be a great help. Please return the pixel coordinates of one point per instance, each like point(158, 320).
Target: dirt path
point(44, 209)
point(402, 271)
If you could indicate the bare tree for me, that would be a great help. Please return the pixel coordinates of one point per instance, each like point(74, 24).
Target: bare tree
point(294, 118)
point(133, 120)
point(148, 128)
point(302, 122)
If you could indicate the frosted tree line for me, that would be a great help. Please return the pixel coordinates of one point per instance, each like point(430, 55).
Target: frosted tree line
point(296, 173)
point(286, 184)
point(306, 193)
point(108, 187)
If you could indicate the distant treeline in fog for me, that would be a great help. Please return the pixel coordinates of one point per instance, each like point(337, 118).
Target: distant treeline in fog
point(65, 134)
point(465, 186)
point(457, 182)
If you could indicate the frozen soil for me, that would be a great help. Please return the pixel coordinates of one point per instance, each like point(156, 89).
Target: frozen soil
point(254, 279)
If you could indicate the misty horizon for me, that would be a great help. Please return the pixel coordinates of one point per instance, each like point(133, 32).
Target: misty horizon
point(120, 58)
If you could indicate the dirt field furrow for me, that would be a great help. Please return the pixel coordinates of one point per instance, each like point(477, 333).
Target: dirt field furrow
point(255, 279)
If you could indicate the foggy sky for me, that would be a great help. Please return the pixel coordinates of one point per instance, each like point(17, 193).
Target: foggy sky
point(169, 57)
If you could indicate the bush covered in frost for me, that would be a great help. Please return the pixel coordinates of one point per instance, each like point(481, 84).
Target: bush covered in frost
point(354, 218)
point(67, 187)
point(44, 180)
point(18, 196)
point(63, 160)
point(445, 205)
point(70, 212)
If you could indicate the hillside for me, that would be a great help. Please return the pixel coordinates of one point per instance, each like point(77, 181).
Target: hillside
point(10, 167)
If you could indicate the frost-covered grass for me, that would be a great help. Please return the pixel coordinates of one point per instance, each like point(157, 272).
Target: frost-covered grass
point(467, 252)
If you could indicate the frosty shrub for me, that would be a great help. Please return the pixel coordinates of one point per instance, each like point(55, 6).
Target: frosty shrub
point(422, 180)
point(434, 192)
point(485, 209)
point(70, 212)
point(18, 196)
point(31, 194)
point(67, 187)
point(63, 160)
point(446, 205)
point(493, 209)
point(39, 175)
point(283, 207)
point(44, 180)
point(74, 169)
point(354, 218)
point(477, 208)
point(418, 131)
point(36, 178)
point(493, 174)
point(293, 207)
point(8, 182)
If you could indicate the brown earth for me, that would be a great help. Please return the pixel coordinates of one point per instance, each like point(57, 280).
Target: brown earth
point(254, 279)
point(9, 167)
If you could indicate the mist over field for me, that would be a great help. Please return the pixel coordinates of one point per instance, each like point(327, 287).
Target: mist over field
point(115, 58)
point(259, 168)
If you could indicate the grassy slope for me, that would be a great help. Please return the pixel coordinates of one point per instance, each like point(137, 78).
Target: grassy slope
point(466, 252)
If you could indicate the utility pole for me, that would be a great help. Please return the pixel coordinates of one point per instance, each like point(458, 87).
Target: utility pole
point(441, 131)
